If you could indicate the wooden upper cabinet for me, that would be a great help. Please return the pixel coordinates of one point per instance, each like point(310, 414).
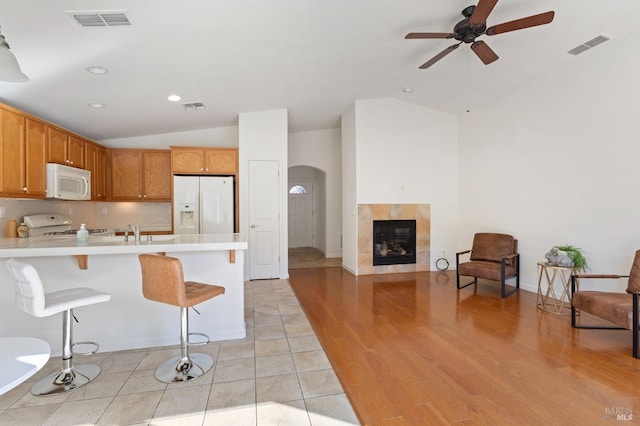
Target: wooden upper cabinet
point(140, 175)
point(36, 158)
point(23, 156)
point(204, 161)
point(96, 162)
point(12, 152)
point(221, 161)
point(64, 148)
point(75, 151)
point(157, 175)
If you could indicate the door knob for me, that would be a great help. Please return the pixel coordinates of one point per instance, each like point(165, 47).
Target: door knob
point(253, 226)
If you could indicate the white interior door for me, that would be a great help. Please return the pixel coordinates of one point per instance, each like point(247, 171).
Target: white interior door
point(301, 214)
point(264, 230)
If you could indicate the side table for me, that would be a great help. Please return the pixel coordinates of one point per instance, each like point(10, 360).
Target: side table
point(548, 301)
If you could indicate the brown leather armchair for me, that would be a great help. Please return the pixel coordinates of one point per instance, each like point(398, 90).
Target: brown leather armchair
point(493, 257)
point(620, 309)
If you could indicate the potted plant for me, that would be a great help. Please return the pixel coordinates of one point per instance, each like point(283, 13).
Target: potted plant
point(576, 256)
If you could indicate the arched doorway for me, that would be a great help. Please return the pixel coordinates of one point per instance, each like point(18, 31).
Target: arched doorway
point(307, 218)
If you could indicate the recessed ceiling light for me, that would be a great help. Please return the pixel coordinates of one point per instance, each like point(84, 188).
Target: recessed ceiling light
point(407, 90)
point(174, 98)
point(94, 69)
point(96, 105)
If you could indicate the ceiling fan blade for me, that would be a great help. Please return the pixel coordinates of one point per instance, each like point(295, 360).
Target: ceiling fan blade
point(483, 9)
point(518, 24)
point(439, 56)
point(428, 35)
point(484, 52)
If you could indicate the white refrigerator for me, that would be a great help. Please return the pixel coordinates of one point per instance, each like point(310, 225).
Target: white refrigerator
point(203, 205)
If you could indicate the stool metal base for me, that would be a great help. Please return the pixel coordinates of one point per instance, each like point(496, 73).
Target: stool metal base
point(65, 380)
point(178, 369)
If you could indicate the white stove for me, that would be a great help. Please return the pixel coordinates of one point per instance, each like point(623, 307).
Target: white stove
point(57, 225)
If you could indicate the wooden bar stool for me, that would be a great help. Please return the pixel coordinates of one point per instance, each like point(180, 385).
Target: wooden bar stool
point(32, 299)
point(163, 281)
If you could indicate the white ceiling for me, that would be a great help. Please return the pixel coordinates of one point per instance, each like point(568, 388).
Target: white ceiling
point(312, 57)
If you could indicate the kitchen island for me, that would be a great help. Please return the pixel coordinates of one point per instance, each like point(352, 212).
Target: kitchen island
point(109, 264)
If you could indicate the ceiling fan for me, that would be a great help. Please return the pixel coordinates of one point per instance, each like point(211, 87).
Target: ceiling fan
point(474, 25)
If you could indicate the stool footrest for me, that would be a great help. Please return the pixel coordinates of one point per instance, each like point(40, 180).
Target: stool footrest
point(189, 343)
point(91, 352)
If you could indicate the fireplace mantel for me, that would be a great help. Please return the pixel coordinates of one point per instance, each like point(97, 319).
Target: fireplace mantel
point(367, 213)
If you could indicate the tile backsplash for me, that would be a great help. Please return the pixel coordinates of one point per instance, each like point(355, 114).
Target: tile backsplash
point(112, 215)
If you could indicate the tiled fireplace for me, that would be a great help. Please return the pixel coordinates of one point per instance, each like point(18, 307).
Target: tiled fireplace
point(401, 215)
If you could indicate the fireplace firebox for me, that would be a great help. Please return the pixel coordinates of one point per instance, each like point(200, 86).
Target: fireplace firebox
point(394, 242)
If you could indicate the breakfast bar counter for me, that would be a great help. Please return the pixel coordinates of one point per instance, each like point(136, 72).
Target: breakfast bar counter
point(128, 321)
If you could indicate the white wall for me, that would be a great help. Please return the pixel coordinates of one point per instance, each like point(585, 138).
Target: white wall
point(225, 137)
point(263, 136)
point(407, 154)
point(556, 162)
point(395, 152)
point(349, 196)
point(322, 150)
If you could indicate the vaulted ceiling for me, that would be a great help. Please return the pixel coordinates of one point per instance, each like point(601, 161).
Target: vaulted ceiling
point(314, 58)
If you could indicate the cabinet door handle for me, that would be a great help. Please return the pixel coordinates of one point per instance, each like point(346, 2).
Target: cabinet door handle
point(24, 189)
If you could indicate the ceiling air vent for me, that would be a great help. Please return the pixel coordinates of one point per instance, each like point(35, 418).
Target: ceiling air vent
point(100, 19)
point(193, 106)
point(589, 44)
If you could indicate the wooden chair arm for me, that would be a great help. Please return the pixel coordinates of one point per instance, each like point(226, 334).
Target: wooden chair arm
point(575, 277)
point(512, 256)
point(581, 276)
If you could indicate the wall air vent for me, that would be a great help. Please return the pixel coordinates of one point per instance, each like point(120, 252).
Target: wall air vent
point(193, 106)
point(100, 19)
point(589, 44)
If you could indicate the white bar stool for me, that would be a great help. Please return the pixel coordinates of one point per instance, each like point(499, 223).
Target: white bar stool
point(163, 281)
point(31, 298)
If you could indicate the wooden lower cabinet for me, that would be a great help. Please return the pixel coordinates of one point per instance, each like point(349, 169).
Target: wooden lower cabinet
point(140, 175)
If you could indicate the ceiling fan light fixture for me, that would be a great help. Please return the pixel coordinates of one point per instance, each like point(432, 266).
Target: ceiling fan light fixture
point(9, 68)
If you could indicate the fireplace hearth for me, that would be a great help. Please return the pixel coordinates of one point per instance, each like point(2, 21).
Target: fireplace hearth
point(394, 242)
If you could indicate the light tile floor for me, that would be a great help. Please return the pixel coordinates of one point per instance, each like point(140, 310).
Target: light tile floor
point(277, 375)
point(309, 257)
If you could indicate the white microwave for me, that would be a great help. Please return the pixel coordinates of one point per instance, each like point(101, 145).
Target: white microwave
point(68, 183)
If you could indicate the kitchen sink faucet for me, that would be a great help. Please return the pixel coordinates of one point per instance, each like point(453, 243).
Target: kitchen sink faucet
point(136, 232)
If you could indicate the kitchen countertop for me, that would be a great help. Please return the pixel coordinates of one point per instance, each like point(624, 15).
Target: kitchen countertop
point(67, 245)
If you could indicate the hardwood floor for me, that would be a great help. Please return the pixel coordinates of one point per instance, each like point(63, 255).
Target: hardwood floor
point(412, 349)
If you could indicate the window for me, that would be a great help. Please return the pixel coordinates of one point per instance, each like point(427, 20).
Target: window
point(298, 189)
